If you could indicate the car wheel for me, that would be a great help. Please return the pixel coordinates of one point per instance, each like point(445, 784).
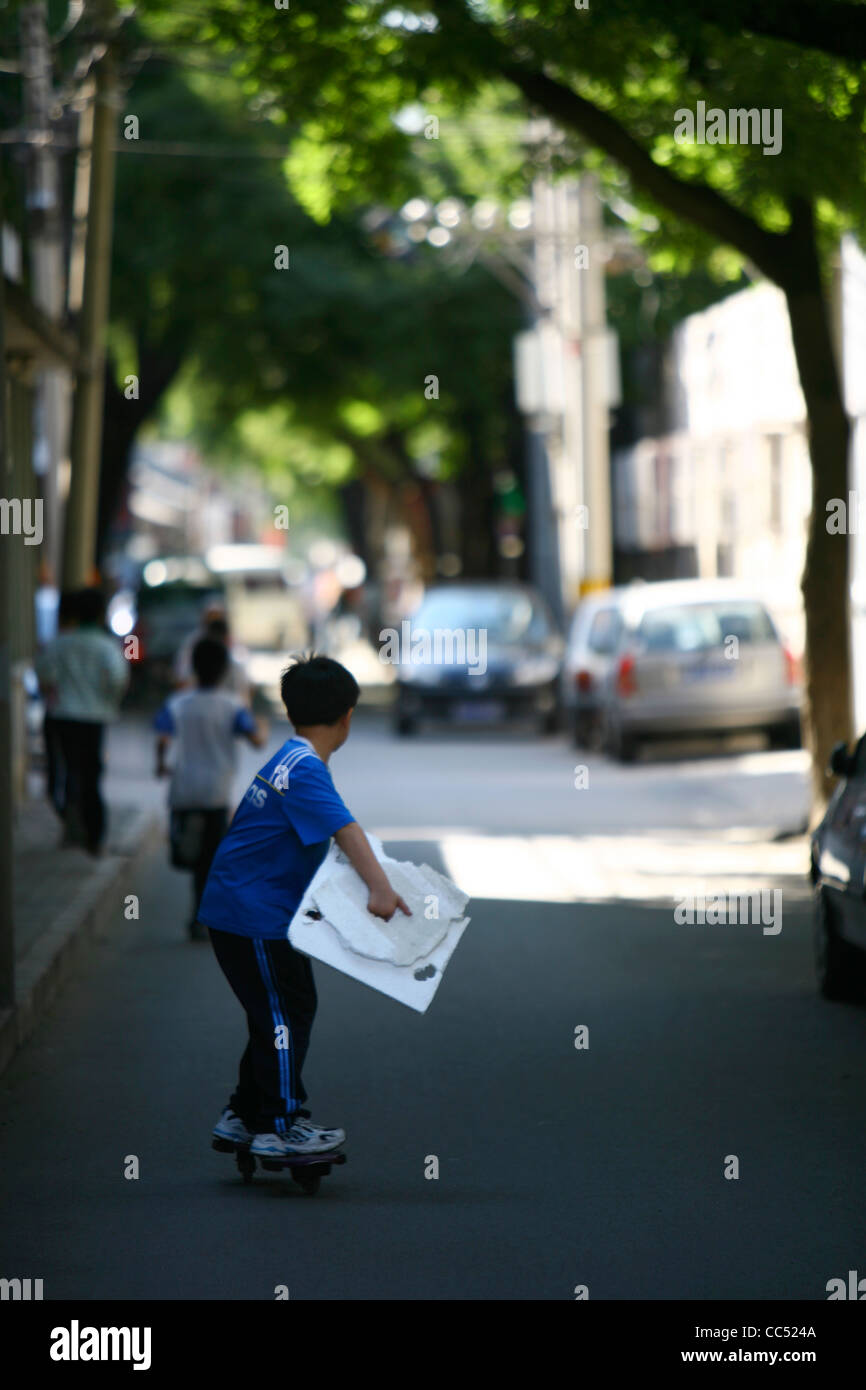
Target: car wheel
point(838, 965)
point(584, 730)
point(549, 722)
point(787, 735)
point(621, 746)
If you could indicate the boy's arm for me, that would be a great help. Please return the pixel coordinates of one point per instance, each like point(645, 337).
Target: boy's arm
point(258, 735)
point(383, 901)
point(249, 726)
point(116, 671)
point(162, 744)
point(163, 724)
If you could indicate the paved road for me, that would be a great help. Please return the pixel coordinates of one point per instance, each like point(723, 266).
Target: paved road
point(557, 1166)
point(513, 781)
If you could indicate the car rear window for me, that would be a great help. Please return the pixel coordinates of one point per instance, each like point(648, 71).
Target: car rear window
point(506, 617)
point(604, 632)
point(699, 626)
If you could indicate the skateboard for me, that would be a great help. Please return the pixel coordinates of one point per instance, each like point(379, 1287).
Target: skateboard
point(306, 1169)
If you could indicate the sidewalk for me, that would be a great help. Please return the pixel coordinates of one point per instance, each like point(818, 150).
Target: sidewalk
point(62, 899)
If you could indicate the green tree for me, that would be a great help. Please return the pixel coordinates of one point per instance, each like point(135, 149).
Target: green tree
point(614, 75)
point(329, 356)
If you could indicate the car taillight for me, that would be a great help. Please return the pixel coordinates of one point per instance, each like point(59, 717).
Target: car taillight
point(583, 681)
point(626, 681)
point(792, 667)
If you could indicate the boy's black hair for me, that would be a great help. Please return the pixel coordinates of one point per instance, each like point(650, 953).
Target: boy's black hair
point(217, 628)
point(91, 605)
point(209, 661)
point(317, 690)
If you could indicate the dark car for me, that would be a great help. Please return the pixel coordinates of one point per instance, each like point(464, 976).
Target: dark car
point(173, 595)
point(838, 873)
point(479, 652)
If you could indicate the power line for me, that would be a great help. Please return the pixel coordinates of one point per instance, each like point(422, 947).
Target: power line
point(181, 149)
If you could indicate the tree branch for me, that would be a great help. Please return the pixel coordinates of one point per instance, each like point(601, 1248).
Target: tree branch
point(693, 202)
point(830, 26)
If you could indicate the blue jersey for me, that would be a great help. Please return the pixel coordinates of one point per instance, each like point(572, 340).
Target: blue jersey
point(274, 845)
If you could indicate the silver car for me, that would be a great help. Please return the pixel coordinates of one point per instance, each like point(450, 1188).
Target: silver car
point(678, 657)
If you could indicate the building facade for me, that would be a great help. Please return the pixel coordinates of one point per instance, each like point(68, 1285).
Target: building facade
point(727, 492)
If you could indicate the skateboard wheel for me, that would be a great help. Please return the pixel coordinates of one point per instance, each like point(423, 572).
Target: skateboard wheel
point(246, 1165)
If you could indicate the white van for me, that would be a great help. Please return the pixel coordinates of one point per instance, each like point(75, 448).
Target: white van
point(262, 594)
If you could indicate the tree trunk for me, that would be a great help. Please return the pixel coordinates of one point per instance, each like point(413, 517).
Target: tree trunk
point(474, 487)
point(825, 581)
point(121, 422)
point(354, 498)
point(415, 505)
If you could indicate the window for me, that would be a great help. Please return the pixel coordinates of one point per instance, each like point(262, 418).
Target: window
point(604, 632)
point(700, 626)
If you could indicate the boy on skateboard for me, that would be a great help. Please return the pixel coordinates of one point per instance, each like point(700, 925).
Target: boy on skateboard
point(274, 845)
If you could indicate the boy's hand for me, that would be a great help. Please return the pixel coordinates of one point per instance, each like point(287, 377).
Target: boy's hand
point(383, 902)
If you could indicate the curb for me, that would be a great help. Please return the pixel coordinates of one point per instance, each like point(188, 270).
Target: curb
point(41, 974)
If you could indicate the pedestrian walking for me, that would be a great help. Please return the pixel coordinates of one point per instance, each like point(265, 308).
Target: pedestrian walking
point(215, 625)
point(276, 842)
point(83, 676)
point(66, 616)
point(204, 725)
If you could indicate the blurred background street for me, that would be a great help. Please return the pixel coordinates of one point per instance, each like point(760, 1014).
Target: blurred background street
point(501, 383)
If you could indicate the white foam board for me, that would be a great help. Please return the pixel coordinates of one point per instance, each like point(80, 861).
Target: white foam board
point(414, 984)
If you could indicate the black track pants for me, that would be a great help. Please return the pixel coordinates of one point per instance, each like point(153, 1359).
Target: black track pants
point(275, 985)
point(80, 743)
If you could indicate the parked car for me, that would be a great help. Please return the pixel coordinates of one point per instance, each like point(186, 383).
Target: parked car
point(593, 641)
point(838, 874)
point(482, 652)
point(679, 657)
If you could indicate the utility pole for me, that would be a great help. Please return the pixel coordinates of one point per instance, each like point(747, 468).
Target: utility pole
point(51, 414)
point(595, 346)
point(79, 551)
point(564, 388)
point(84, 104)
point(545, 471)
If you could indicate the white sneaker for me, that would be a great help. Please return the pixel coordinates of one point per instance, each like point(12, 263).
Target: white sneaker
point(231, 1126)
point(302, 1138)
point(302, 1127)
